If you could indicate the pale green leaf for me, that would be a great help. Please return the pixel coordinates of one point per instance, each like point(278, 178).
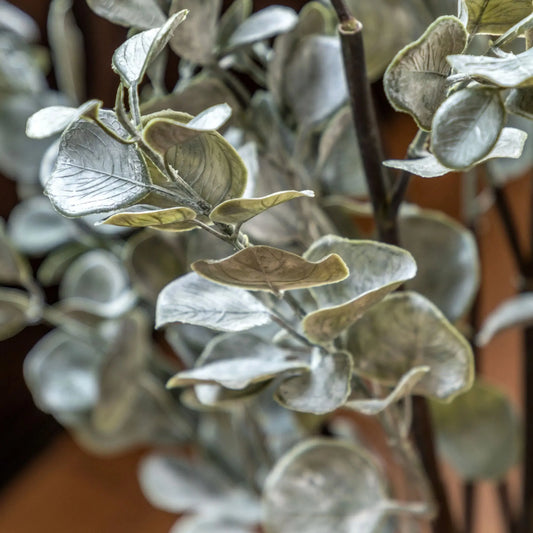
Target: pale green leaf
point(263, 268)
point(515, 312)
point(447, 257)
point(57, 261)
point(322, 390)
point(264, 24)
point(14, 305)
point(496, 16)
point(142, 216)
point(348, 496)
point(131, 59)
point(95, 173)
point(138, 13)
point(212, 118)
point(375, 270)
point(509, 71)
point(478, 433)
point(374, 406)
point(15, 20)
point(416, 81)
point(194, 300)
point(467, 126)
point(196, 39)
point(405, 331)
point(240, 210)
point(510, 144)
point(236, 13)
point(518, 29)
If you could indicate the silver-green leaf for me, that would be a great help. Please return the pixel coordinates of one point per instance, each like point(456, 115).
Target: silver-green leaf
point(137, 13)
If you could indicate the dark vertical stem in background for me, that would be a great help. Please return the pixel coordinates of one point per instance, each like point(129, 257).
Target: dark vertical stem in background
point(385, 216)
point(527, 473)
point(506, 508)
point(469, 499)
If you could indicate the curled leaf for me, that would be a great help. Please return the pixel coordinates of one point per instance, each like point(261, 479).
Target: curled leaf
point(142, 216)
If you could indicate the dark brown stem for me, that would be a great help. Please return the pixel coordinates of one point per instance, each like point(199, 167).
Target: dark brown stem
point(343, 13)
point(469, 499)
point(526, 525)
point(506, 508)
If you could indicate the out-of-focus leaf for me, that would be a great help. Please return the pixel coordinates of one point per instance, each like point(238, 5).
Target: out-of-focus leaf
point(375, 270)
point(240, 210)
point(272, 269)
point(467, 126)
point(520, 102)
point(35, 228)
point(510, 144)
point(509, 71)
point(57, 261)
point(131, 59)
point(15, 20)
point(349, 497)
point(196, 39)
point(416, 80)
point(447, 258)
point(194, 300)
point(322, 390)
point(264, 24)
point(495, 16)
point(13, 307)
point(236, 13)
point(14, 268)
point(478, 433)
point(141, 14)
point(405, 331)
point(210, 524)
point(95, 173)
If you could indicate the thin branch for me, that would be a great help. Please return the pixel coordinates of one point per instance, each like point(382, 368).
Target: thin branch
point(506, 508)
point(469, 501)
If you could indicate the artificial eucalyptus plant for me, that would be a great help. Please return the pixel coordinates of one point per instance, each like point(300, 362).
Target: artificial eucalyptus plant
point(232, 214)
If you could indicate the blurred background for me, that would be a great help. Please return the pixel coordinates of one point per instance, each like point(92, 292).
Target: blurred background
point(49, 485)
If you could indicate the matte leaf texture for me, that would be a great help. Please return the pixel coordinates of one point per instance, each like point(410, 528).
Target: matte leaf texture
point(131, 59)
point(142, 216)
point(467, 126)
point(375, 270)
point(240, 210)
point(416, 80)
point(264, 24)
point(236, 13)
point(36, 228)
point(407, 331)
point(13, 307)
point(512, 313)
point(447, 257)
point(322, 390)
point(479, 433)
point(196, 39)
point(374, 406)
point(141, 14)
point(204, 159)
point(510, 145)
point(495, 16)
point(95, 173)
point(212, 118)
point(210, 524)
point(194, 300)
point(508, 72)
point(54, 119)
point(520, 102)
point(15, 20)
point(14, 268)
point(324, 485)
point(97, 283)
point(62, 374)
point(263, 268)
point(314, 82)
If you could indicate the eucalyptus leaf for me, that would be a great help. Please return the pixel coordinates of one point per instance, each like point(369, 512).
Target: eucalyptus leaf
point(264, 24)
point(405, 331)
point(375, 270)
point(138, 13)
point(212, 118)
point(196, 39)
point(510, 144)
point(447, 257)
point(467, 126)
point(520, 102)
point(314, 82)
point(141, 216)
point(374, 406)
point(518, 29)
point(14, 268)
point(478, 433)
point(210, 524)
point(131, 59)
point(54, 265)
point(509, 71)
point(194, 300)
point(95, 173)
point(15, 20)
point(322, 390)
point(236, 13)
point(14, 305)
point(514, 312)
point(36, 228)
point(348, 497)
point(495, 16)
point(240, 210)
point(416, 80)
point(272, 269)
